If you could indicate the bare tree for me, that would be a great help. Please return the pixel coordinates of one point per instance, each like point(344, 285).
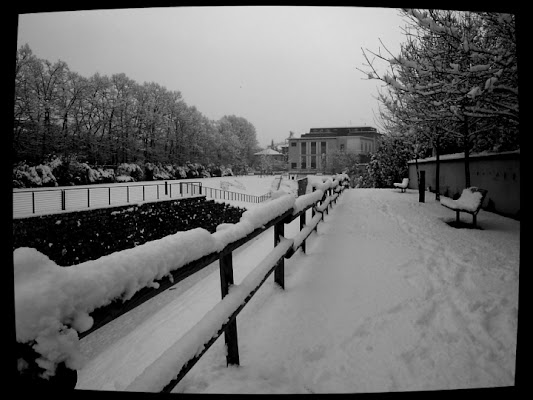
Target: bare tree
point(455, 78)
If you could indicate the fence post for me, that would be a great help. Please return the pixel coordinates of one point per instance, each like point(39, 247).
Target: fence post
point(422, 187)
point(230, 334)
point(109, 191)
point(279, 272)
point(143, 193)
point(313, 209)
point(62, 199)
point(302, 225)
point(33, 202)
point(166, 188)
point(127, 194)
point(88, 198)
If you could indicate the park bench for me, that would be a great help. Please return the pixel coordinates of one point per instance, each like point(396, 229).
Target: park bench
point(402, 185)
point(470, 202)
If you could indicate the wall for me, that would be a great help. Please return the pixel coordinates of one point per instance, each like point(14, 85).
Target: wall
point(499, 173)
point(73, 237)
point(353, 145)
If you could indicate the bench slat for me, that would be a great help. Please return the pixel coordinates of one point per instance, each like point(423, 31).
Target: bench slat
point(458, 209)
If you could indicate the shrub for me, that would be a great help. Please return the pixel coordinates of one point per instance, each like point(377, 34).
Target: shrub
point(180, 172)
point(100, 175)
point(156, 172)
point(191, 170)
point(226, 171)
point(124, 178)
point(214, 170)
point(25, 176)
point(69, 171)
point(132, 170)
point(45, 173)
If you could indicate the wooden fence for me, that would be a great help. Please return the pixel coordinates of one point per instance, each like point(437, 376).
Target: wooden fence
point(233, 301)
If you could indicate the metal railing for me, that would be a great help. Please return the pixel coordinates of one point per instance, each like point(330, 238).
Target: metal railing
point(221, 194)
point(48, 201)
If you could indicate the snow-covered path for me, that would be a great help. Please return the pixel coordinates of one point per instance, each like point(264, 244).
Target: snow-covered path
point(387, 298)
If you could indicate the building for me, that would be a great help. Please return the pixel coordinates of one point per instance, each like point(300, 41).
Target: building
point(284, 149)
point(313, 151)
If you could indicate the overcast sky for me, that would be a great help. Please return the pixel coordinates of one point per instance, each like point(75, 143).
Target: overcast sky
point(282, 68)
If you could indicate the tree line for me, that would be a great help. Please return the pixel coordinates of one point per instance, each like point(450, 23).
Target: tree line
point(452, 88)
point(106, 120)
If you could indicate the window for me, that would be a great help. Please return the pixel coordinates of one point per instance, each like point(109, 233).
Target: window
point(293, 165)
point(323, 148)
point(303, 147)
point(293, 144)
point(303, 163)
point(313, 147)
point(313, 162)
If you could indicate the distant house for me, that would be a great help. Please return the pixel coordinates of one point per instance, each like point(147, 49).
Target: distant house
point(272, 154)
point(311, 153)
point(284, 149)
point(270, 160)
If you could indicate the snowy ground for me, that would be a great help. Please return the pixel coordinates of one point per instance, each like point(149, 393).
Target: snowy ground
point(387, 298)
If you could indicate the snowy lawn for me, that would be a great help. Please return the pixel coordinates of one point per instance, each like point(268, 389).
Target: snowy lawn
point(388, 298)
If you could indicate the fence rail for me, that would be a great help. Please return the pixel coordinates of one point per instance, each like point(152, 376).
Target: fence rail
point(214, 193)
point(48, 201)
point(232, 301)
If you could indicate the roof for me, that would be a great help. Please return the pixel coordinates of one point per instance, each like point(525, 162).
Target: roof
point(367, 131)
point(460, 156)
point(268, 152)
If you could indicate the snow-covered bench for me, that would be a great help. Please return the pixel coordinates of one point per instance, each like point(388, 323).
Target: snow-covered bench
point(402, 185)
point(470, 202)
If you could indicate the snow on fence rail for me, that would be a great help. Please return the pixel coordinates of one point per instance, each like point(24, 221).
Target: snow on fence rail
point(53, 304)
point(47, 201)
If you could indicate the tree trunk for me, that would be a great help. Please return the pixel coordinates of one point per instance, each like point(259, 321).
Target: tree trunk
point(416, 166)
point(46, 133)
point(467, 153)
point(437, 165)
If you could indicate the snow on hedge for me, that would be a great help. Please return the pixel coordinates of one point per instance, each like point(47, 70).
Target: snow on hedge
point(158, 374)
point(50, 298)
point(252, 219)
point(468, 201)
